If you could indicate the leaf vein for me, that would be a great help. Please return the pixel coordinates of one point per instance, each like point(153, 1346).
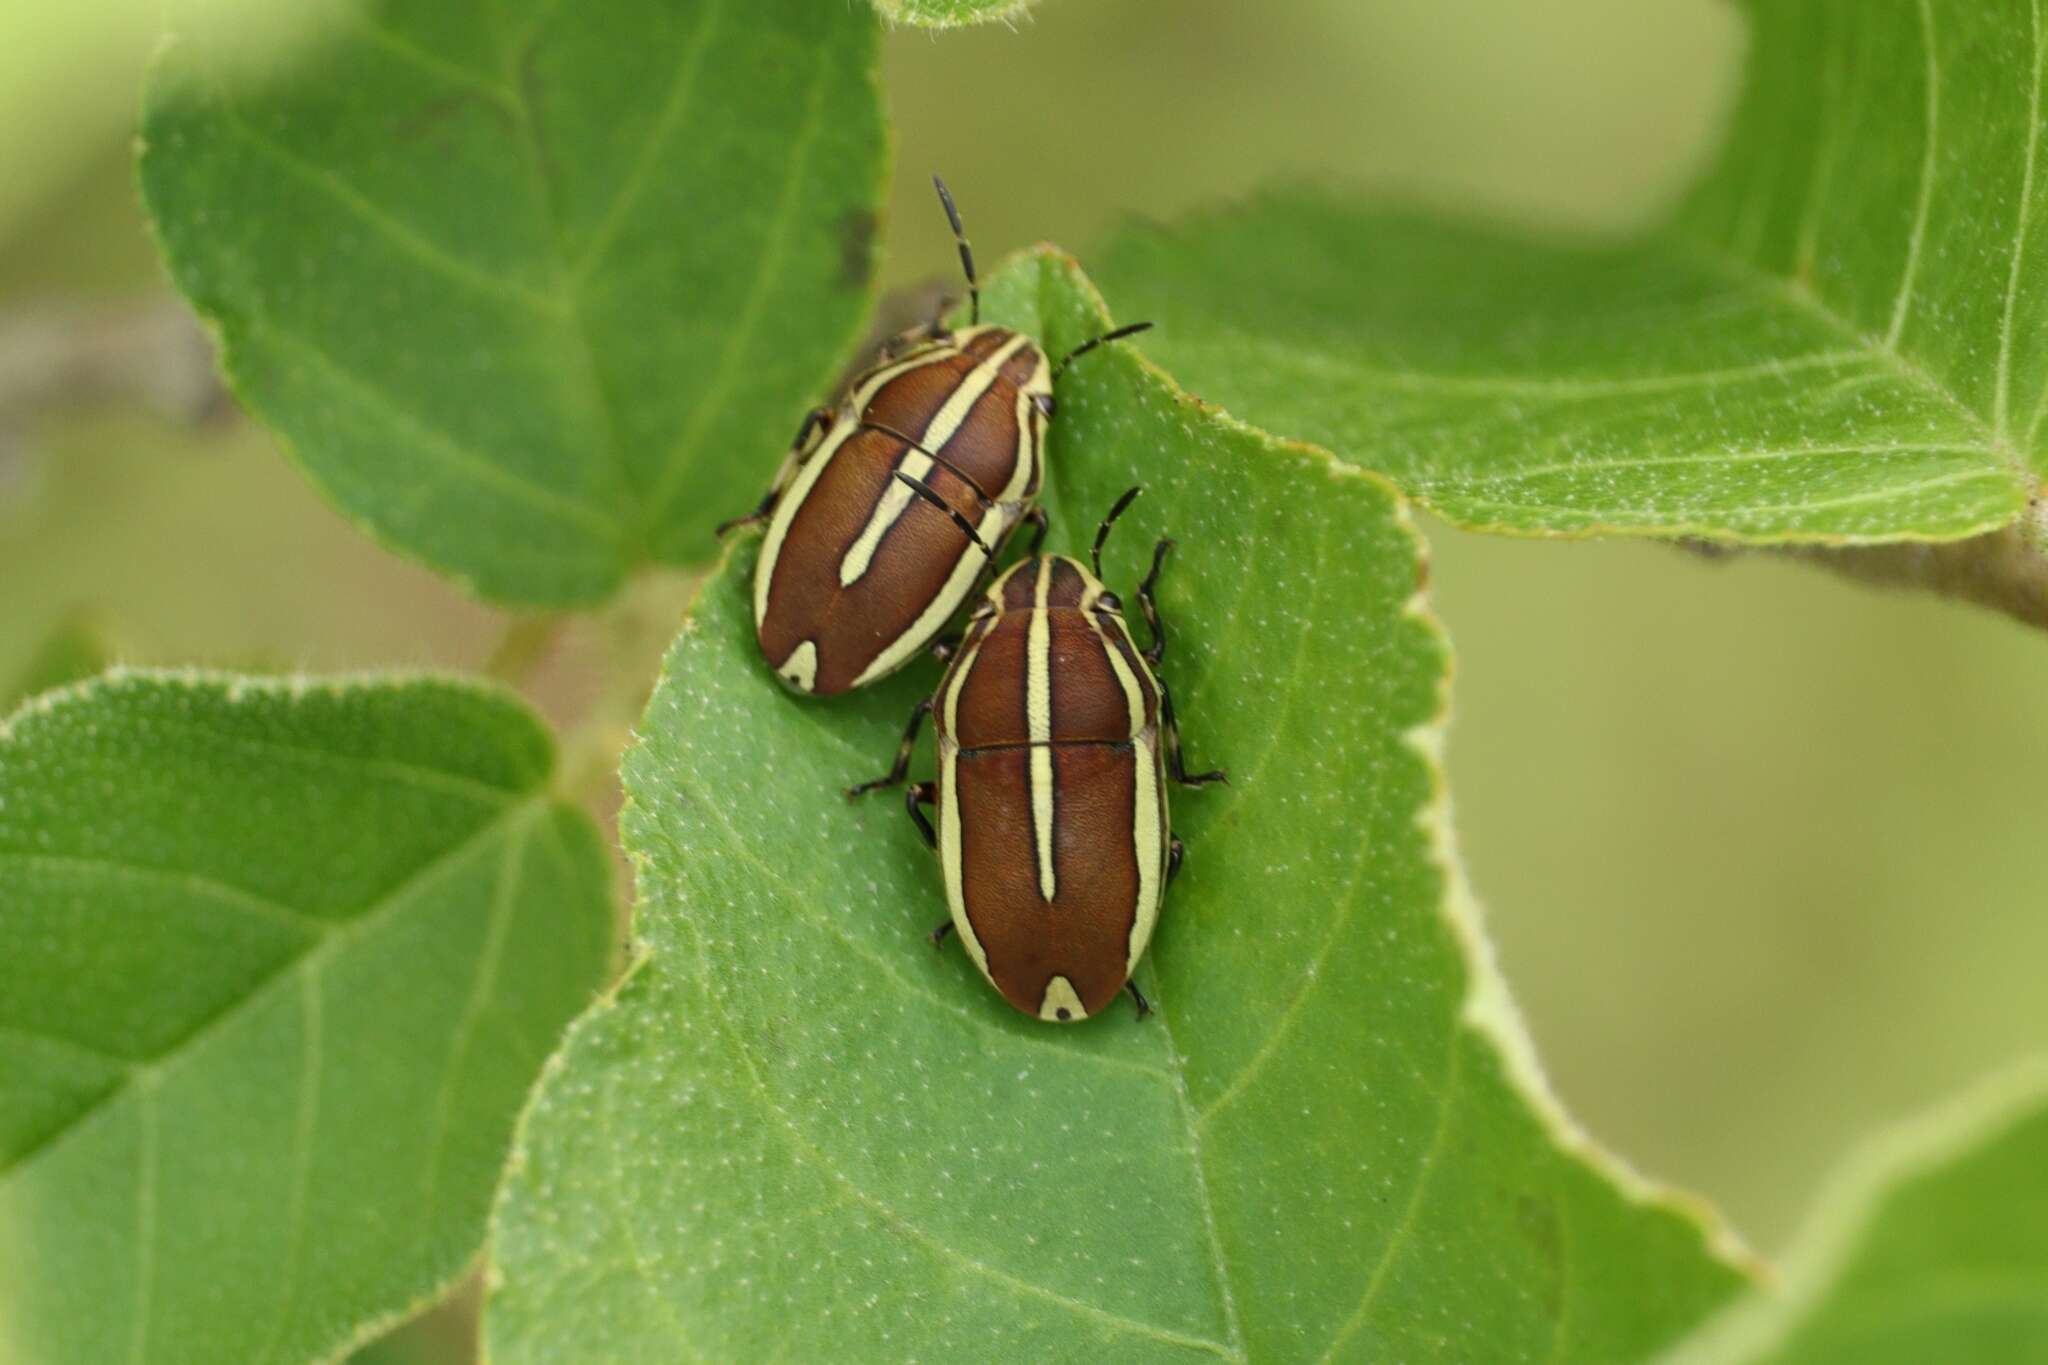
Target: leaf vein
point(681, 89)
point(145, 1075)
point(1561, 388)
point(740, 337)
point(2002, 477)
point(2001, 403)
point(1903, 301)
point(511, 878)
point(1282, 1024)
point(1233, 1327)
point(145, 1219)
point(903, 1222)
point(305, 1130)
point(429, 254)
point(212, 888)
point(1597, 465)
point(1404, 1231)
point(731, 837)
point(448, 72)
point(454, 453)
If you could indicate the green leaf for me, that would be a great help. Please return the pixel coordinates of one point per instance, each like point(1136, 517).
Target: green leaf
point(800, 1134)
point(282, 963)
point(952, 13)
point(1932, 1246)
point(535, 292)
point(1842, 336)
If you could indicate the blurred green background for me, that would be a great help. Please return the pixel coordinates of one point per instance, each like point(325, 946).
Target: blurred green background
point(1760, 848)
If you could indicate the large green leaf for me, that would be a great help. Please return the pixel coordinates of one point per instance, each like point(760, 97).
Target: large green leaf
point(800, 1134)
point(1842, 337)
point(280, 963)
point(1933, 1247)
point(536, 292)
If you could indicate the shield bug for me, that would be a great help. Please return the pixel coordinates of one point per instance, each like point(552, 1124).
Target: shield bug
point(857, 575)
point(1055, 742)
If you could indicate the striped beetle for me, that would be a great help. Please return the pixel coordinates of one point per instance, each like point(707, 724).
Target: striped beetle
point(855, 576)
point(1055, 739)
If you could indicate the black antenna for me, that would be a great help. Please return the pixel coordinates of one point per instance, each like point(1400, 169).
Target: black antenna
point(1102, 531)
point(1085, 347)
point(925, 491)
point(966, 251)
point(890, 431)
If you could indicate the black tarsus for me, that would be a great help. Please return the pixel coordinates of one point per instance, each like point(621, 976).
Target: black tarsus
point(1116, 334)
point(930, 495)
point(815, 418)
point(938, 935)
point(921, 794)
point(1177, 853)
point(1155, 651)
point(1102, 531)
point(1176, 762)
point(901, 765)
point(1144, 1005)
point(966, 251)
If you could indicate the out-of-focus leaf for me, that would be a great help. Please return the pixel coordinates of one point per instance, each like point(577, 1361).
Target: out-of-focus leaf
point(800, 1134)
point(281, 964)
point(535, 292)
point(1934, 1247)
point(1842, 337)
point(79, 647)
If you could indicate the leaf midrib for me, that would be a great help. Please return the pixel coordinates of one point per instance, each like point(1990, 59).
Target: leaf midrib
point(147, 1075)
point(1880, 350)
point(1231, 1350)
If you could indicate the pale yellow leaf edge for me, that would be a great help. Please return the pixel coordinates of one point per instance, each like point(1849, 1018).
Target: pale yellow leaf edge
point(899, 13)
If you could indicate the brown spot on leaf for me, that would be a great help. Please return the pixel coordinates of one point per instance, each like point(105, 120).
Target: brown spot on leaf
point(1536, 1218)
point(856, 247)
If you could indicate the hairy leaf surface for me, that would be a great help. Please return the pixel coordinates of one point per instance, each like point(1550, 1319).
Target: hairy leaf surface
point(951, 13)
point(282, 963)
point(1934, 1246)
point(799, 1133)
point(535, 292)
point(1841, 337)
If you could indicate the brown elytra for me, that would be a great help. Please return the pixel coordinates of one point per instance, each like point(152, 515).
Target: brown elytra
point(1052, 792)
point(857, 575)
point(1055, 742)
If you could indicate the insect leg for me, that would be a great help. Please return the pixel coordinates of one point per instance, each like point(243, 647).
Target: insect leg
point(1176, 854)
point(1144, 1005)
point(1176, 763)
point(920, 794)
point(1036, 516)
point(902, 763)
point(938, 935)
point(816, 422)
point(1155, 651)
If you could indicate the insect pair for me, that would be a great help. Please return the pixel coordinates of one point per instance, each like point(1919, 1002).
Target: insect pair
point(1055, 737)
